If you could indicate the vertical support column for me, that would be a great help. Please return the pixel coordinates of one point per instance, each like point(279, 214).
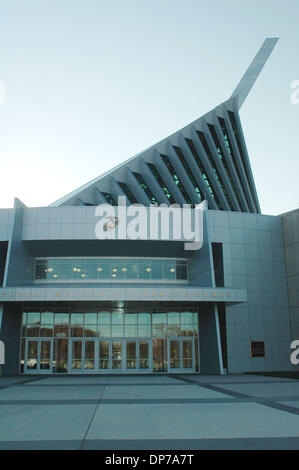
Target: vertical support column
point(10, 335)
point(210, 345)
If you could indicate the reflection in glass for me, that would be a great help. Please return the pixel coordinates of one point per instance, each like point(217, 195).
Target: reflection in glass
point(173, 330)
point(116, 355)
point(144, 318)
point(143, 355)
point(104, 354)
point(47, 318)
point(187, 354)
point(117, 318)
point(174, 354)
point(131, 354)
point(130, 331)
point(159, 355)
point(144, 331)
point(46, 331)
point(77, 319)
point(186, 318)
point(104, 331)
point(90, 330)
point(32, 349)
point(131, 319)
point(22, 361)
point(104, 318)
point(32, 331)
point(111, 269)
point(117, 331)
point(33, 318)
point(77, 331)
point(61, 318)
point(89, 355)
point(173, 318)
point(76, 354)
point(187, 330)
point(45, 355)
point(90, 318)
point(60, 354)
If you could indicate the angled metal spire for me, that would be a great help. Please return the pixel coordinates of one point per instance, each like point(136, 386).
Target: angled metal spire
point(254, 69)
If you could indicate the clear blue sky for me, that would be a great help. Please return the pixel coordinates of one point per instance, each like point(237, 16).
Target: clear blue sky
point(90, 83)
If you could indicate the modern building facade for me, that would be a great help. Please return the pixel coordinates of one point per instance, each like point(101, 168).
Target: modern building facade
point(72, 302)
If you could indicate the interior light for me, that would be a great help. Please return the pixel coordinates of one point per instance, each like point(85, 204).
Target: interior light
point(148, 269)
point(114, 270)
point(172, 270)
point(54, 275)
point(99, 269)
point(50, 270)
point(83, 275)
point(124, 269)
point(113, 275)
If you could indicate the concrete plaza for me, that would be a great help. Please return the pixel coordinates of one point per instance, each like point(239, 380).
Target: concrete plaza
point(149, 412)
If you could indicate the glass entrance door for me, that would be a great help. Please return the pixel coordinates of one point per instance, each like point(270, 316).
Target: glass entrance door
point(180, 355)
point(117, 355)
point(38, 356)
point(137, 355)
point(82, 356)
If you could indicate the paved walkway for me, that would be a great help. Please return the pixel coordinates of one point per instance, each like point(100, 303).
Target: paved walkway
point(149, 412)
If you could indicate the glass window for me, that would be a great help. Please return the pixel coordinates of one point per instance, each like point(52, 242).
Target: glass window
point(117, 317)
point(131, 331)
point(90, 330)
point(77, 318)
point(131, 272)
point(46, 330)
point(61, 318)
point(144, 318)
point(144, 270)
point(115, 268)
point(117, 271)
point(187, 330)
point(92, 271)
point(104, 269)
point(173, 318)
point(157, 269)
point(90, 318)
point(181, 270)
point(65, 271)
point(77, 331)
point(186, 317)
point(159, 318)
point(159, 329)
point(104, 318)
point(32, 331)
point(104, 331)
point(61, 331)
point(33, 318)
point(131, 319)
point(117, 331)
point(173, 330)
point(144, 331)
point(169, 270)
point(47, 318)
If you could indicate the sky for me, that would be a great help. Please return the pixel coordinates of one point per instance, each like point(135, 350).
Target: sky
point(90, 83)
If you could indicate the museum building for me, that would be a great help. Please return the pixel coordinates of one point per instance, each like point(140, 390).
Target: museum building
point(74, 303)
